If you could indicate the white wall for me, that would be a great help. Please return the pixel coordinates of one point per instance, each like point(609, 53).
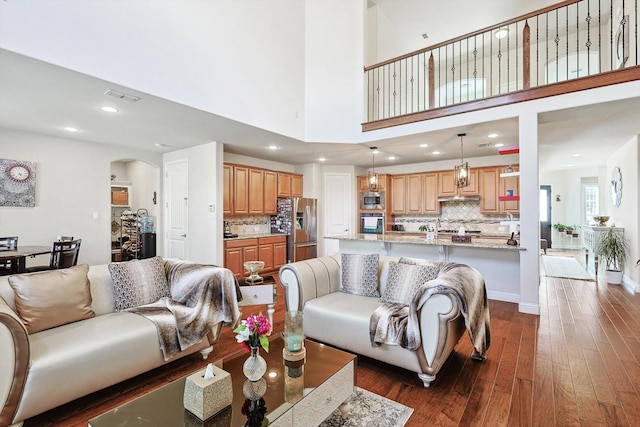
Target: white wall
point(240, 59)
point(627, 159)
point(334, 56)
point(72, 184)
point(204, 241)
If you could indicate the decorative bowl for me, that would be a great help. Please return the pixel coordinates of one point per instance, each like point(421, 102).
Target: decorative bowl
point(254, 267)
point(602, 219)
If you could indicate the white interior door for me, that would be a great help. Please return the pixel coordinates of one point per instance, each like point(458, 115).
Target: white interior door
point(177, 208)
point(338, 196)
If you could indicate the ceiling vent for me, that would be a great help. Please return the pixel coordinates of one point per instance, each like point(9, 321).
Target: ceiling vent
point(485, 144)
point(122, 95)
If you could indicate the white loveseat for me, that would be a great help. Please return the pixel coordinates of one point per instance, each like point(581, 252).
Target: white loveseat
point(343, 320)
point(45, 369)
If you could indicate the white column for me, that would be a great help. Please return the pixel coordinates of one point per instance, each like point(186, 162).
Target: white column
point(529, 214)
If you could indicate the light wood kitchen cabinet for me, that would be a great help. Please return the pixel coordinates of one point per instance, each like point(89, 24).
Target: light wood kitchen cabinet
point(413, 188)
point(489, 182)
point(273, 251)
point(227, 198)
point(256, 190)
point(240, 190)
point(397, 194)
point(430, 204)
point(284, 184)
point(296, 185)
point(448, 187)
point(510, 183)
point(237, 252)
point(406, 194)
point(363, 182)
point(270, 201)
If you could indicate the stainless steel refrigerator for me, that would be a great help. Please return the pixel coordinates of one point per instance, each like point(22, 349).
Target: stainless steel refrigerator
point(297, 217)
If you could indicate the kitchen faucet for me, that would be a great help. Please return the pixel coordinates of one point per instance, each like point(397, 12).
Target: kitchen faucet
point(509, 217)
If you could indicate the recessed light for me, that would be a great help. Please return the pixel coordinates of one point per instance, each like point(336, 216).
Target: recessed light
point(492, 135)
point(159, 144)
point(501, 33)
point(435, 152)
point(499, 144)
point(570, 165)
point(375, 152)
point(71, 129)
point(392, 157)
point(424, 145)
point(108, 109)
point(322, 159)
point(273, 147)
point(576, 155)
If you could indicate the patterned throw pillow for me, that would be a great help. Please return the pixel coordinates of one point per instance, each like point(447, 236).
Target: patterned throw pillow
point(138, 282)
point(404, 280)
point(359, 274)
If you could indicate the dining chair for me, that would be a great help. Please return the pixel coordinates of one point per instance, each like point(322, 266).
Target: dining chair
point(64, 254)
point(7, 243)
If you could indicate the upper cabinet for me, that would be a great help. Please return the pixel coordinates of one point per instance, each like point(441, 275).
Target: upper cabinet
point(289, 184)
point(430, 204)
point(510, 186)
point(414, 193)
point(255, 191)
point(363, 182)
point(447, 186)
point(493, 186)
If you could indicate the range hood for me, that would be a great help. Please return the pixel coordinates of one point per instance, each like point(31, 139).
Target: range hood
point(458, 198)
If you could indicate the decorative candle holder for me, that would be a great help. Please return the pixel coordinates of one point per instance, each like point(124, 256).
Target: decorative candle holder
point(293, 337)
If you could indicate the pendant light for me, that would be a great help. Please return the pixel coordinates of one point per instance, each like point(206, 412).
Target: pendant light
point(462, 171)
point(372, 175)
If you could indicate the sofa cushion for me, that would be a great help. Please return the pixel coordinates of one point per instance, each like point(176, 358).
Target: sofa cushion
point(404, 279)
point(52, 298)
point(138, 282)
point(359, 274)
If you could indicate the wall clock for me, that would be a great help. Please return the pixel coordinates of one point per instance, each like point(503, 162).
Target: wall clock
point(616, 187)
point(17, 183)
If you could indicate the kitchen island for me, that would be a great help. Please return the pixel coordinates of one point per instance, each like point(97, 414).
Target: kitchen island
point(498, 262)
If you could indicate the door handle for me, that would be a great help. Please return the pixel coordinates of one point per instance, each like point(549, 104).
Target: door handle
point(183, 235)
point(305, 245)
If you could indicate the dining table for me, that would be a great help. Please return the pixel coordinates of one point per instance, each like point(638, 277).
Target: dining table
point(18, 255)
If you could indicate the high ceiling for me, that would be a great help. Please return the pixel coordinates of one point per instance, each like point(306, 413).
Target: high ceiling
point(39, 97)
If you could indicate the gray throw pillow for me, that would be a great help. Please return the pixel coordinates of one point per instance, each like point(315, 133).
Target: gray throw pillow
point(138, 282)
point(404, 280)
point(359, 274)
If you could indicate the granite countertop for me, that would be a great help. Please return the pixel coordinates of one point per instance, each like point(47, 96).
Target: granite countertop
point(442, 240)
point(255, 236)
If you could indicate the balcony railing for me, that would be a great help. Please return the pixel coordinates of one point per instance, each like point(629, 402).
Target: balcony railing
point(570, 46)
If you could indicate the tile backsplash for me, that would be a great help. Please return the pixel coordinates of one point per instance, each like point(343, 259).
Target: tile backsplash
point(455, 215)
point(249, 224)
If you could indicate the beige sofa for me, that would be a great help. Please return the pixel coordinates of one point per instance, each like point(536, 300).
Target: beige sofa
point(341, 319)
point(45, 369)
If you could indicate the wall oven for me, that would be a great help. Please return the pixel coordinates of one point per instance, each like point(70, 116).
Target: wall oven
point(372, 223)
point(370, 200)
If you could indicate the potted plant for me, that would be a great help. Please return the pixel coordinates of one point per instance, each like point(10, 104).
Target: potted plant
point(568, 229)
point(559, 227)
point(613, 250)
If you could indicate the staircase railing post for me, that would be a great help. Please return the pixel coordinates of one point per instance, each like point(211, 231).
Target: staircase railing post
point(526, 58)
point(432, 83)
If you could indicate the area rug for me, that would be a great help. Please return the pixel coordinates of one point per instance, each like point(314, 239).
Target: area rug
point(565, 268)
point(370, 410)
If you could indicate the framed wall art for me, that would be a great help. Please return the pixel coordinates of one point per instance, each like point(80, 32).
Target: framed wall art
point(17, 183)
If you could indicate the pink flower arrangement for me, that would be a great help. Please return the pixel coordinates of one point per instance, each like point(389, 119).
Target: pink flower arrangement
point(253, 332)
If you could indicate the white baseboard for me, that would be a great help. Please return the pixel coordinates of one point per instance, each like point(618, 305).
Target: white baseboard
point(503, 296)
point(529, 308)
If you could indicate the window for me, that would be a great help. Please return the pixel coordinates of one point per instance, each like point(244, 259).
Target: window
point(591, 206)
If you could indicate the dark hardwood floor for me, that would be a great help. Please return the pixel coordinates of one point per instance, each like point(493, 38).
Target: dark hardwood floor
point(578, 363)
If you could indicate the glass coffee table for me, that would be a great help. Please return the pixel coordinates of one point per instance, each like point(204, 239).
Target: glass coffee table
point(294, 395)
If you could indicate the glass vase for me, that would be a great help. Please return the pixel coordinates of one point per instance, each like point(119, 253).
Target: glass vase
point(255, 366)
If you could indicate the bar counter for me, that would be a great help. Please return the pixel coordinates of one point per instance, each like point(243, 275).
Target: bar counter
point(442, 240)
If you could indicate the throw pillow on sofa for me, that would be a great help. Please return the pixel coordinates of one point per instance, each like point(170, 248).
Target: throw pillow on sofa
point(138, 282)
point(52, 298)
point(404, 280)
point(359, 274)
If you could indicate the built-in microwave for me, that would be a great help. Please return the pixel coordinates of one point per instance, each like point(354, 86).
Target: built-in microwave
point(370, 200)
point(372, 223)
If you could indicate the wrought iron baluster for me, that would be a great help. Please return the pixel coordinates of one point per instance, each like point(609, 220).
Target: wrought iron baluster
point(588, 43)
point(566, 31)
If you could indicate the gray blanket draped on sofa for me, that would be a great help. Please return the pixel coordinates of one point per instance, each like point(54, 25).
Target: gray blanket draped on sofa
point(201, 297)
point(397, 324)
